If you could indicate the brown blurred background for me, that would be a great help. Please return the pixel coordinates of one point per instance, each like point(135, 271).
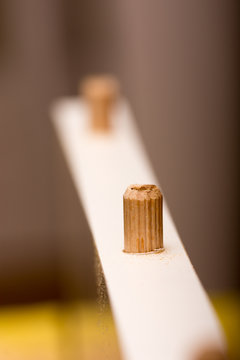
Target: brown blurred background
point(177, 63)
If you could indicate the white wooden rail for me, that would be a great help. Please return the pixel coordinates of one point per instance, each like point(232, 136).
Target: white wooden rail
point(159, 306)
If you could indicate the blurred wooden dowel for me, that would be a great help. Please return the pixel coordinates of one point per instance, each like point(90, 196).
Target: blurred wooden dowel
point(100, 93)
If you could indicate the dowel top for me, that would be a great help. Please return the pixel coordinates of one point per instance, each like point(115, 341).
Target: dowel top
point(100, 87)
point(142, 192)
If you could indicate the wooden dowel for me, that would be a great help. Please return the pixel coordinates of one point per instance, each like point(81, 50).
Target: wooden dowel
point(100, 92)
point(143, 229)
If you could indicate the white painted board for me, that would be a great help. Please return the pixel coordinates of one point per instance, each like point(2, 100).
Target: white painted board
point(159, 306)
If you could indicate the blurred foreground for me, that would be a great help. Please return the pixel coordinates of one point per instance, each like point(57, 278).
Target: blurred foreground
point(84, 330)
point(52, 331)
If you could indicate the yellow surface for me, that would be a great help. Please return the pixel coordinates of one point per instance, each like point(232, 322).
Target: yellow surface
point(57, 332)
point(227, 307)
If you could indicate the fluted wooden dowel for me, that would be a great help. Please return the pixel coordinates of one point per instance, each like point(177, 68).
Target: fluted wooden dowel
point(100, 92)
point(143, 229)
